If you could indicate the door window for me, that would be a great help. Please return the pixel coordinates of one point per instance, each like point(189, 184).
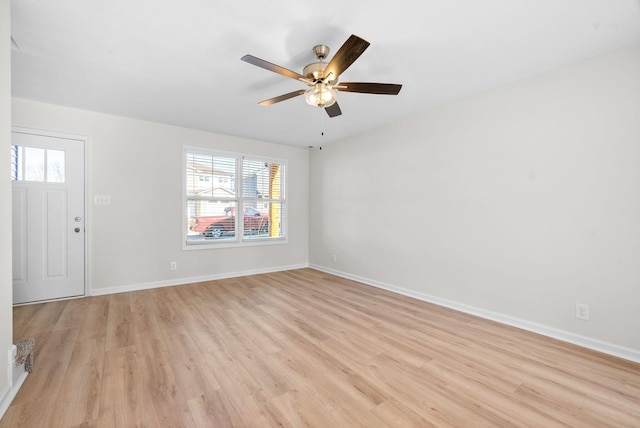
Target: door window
point(37, 164)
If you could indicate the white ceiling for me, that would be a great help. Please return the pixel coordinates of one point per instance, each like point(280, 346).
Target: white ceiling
point(178, 62)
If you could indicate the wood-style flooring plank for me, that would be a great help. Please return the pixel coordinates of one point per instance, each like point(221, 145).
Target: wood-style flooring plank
point(303, 348)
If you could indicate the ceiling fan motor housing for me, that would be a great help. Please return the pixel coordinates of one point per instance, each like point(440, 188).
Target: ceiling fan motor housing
point(315, 70)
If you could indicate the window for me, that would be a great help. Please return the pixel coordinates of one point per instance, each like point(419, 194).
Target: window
point(37, 164)
point(249, 185)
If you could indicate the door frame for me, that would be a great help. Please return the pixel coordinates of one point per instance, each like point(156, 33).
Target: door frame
point(86, 142)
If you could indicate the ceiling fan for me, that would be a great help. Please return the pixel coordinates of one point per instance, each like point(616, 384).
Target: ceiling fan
point(322, 78)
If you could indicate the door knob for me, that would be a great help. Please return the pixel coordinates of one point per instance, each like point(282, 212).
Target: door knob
point(77, 230)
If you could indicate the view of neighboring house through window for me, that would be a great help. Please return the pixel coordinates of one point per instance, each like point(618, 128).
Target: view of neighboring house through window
point(226, 193)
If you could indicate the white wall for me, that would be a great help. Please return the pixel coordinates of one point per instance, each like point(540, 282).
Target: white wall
point(6, 289)
point(521, 201)
point(139, 164)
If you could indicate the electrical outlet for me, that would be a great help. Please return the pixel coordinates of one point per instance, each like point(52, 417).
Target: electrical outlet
point(334, 258)
point(174, 266)
point(582, 311)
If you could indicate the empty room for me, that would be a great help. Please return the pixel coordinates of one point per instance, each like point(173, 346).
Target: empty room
point(292, 214)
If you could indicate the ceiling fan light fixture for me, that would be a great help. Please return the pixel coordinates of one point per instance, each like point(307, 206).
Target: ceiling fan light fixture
point(320, 95)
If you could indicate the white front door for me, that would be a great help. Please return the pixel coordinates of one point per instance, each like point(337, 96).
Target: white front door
point(48, 216)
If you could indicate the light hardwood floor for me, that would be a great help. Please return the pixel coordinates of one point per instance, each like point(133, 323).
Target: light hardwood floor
point(303, 348)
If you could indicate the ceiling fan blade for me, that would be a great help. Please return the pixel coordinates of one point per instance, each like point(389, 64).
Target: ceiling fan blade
point(281, 97)
point(273, 67)
point(333, 110)
point(369, 88)
point(345, 56)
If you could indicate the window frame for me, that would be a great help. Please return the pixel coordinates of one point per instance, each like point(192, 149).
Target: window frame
point(238, 240)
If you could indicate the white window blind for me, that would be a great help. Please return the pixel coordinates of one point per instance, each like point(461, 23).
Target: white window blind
point(227, 193)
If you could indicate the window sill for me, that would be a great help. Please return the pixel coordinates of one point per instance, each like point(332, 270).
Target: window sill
point(231, 243)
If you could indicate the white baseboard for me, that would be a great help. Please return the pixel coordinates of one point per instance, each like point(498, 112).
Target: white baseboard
point(11, 393)
point(5, 400)
point(189, 280)
point(565, 336)
point(16, 376)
